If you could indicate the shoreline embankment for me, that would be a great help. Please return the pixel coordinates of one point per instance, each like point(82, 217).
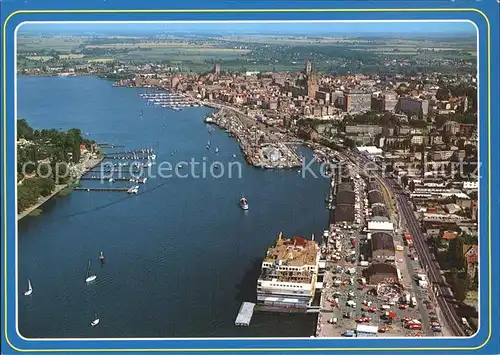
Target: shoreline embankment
point(89, 165)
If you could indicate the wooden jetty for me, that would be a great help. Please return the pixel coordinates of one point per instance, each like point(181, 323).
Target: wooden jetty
point(121, 165)
point(109, 145)
point(245, 314)
point(137, 151)
point(128, 157)
point(115, 189)
point(116, 171)
point(100, 178)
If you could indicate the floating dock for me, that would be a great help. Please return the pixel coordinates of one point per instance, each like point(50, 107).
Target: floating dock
point(245, 314)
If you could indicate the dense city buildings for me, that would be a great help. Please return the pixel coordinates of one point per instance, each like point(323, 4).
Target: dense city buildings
point(357, 101)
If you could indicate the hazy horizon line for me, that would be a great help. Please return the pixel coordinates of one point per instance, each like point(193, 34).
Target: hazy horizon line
point(260, 33)
point(308, 29)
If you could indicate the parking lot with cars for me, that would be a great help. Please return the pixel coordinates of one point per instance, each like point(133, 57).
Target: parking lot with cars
point(347, 300)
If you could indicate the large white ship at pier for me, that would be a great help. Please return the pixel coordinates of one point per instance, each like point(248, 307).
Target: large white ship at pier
point(289, 274)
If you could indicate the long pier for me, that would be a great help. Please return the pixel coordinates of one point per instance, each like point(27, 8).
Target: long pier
point(120, 165)
point(116, 171)
point(109, 145)
point(101, 178)
point(138, 151)
point(115, 189)
point(129, 157)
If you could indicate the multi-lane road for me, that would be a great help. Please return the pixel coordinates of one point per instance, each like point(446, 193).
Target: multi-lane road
point(441, 290)
point(438, 282)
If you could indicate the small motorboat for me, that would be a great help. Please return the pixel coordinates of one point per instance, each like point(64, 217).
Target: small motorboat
point(101, 257)
point(244, 203)
point(95, 321)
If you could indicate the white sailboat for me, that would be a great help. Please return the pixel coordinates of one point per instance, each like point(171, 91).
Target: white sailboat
point(95, 321)
point(29, 291)
point(89, 277)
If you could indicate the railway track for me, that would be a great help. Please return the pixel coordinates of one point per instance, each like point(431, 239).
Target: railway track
point(440, 288)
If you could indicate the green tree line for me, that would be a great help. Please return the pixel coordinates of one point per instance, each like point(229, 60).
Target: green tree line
point(42, 160)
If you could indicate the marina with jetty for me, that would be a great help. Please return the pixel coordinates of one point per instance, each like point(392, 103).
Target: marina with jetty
point(169, 100)
point(262, 146)
point(134, 170)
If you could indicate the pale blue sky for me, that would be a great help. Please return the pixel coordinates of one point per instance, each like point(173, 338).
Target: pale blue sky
point(447, 29)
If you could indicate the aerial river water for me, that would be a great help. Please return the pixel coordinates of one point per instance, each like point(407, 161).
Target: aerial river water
point(181, 255)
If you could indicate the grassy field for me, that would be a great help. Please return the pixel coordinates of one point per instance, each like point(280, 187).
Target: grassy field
point(39, 58)
point(152, 44)
point(100, 60)
point(71, 56)
point(193, 53)
point(198, 53)
point(57, 43)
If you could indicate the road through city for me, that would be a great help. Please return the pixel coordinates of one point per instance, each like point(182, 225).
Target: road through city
point(441, 289)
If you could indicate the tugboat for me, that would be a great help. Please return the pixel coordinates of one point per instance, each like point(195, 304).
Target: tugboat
point(244, 203)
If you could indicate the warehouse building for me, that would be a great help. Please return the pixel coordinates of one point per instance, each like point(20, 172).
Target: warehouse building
point(378, 224)
point(344, 203)
point(344, 213)
point(380, 272)
point(382, 247)
point(380, 211)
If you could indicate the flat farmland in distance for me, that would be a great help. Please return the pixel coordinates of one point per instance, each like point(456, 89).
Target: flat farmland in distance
point(71, 56)
point(57, 43)
point(367, 43)
point(40, 58)
point(141, 44)
point(192, 53)
point(100, 60)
